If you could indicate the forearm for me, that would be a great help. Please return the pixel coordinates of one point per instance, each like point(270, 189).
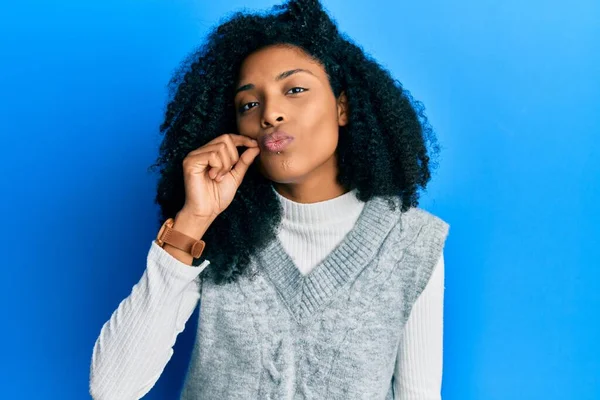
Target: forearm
point(136, 343)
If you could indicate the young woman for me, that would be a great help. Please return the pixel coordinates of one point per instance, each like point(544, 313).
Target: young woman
point(290, 171)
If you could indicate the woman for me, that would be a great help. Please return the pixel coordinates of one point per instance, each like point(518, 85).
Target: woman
point(305, 249)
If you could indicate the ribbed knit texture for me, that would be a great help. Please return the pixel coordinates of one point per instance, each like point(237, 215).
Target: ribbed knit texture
point(308, 232)
point(308, 269)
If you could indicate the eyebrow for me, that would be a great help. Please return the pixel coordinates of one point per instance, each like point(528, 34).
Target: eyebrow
point(279, 77)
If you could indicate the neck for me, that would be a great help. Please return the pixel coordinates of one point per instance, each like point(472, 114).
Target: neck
point(343, 209)
point(318, 185)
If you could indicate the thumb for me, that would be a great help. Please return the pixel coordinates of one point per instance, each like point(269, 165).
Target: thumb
point(246, 159)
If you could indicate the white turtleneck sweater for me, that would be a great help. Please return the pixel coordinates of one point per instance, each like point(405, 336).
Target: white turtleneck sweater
point(135, 344)
point(308, 232)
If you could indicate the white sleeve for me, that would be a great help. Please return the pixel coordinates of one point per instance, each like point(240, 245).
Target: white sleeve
point(418, 371)
point(137, 341)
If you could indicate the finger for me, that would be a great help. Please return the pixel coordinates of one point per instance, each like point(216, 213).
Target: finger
point(231, 146)
point(241, 140)
point(223, 152)
point(226, 163)
point(205, 160)
point(236, 140)
point(233, 141)
point(205, 149)
point(215, 163)
point(241, 167)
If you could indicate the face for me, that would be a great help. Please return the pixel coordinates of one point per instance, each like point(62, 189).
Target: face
point(281, 89)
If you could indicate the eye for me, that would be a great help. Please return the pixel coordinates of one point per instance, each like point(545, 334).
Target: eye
point(245, 107)
point(297, 87)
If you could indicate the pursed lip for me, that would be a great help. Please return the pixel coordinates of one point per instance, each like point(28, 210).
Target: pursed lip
point(274, 137)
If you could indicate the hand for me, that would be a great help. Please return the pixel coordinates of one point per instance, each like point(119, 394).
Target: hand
point(213, 173)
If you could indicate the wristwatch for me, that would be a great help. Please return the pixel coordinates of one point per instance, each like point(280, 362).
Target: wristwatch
point(168, 235)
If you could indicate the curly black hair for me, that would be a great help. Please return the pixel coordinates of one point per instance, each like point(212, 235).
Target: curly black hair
point(386, 149)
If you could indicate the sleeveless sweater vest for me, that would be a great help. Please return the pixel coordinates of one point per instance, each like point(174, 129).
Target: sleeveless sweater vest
point(332, 334)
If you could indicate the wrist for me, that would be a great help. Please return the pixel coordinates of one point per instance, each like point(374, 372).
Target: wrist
point(191, 225)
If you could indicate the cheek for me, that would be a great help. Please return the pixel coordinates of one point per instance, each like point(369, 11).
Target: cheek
point(317, 148)
point(322, 141)
point(321, 127)
point(242, 125)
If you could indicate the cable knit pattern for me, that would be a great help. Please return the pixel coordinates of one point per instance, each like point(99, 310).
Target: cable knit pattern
point(323, 313)
point(311, 231)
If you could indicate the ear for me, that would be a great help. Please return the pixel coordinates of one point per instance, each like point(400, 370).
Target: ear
point(342, 108)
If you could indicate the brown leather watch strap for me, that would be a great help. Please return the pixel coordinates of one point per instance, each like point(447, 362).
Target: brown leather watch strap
point(179, 240)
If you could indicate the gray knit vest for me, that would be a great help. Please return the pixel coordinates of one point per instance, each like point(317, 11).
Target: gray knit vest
point(332, 334)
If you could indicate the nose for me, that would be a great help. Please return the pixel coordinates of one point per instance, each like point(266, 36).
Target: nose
point(271, 116)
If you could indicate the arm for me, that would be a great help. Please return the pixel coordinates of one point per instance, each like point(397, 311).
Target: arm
point(136, 343)
point(418, 371)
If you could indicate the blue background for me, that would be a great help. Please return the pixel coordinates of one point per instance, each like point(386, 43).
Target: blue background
point(512, 89)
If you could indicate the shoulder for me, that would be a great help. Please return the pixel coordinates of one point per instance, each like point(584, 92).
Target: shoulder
point(417, 240)
point(424, 236)
point(417, 224)
point(420, 217)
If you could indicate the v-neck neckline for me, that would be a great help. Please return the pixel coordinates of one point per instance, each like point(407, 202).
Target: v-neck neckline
point(305, 295)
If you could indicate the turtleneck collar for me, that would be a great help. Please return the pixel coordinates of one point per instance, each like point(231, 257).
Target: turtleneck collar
point(329, 211)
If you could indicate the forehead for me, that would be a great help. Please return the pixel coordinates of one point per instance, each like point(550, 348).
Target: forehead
point(270, 61)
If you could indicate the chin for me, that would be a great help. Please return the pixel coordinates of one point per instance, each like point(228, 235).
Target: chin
point(277, 172)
